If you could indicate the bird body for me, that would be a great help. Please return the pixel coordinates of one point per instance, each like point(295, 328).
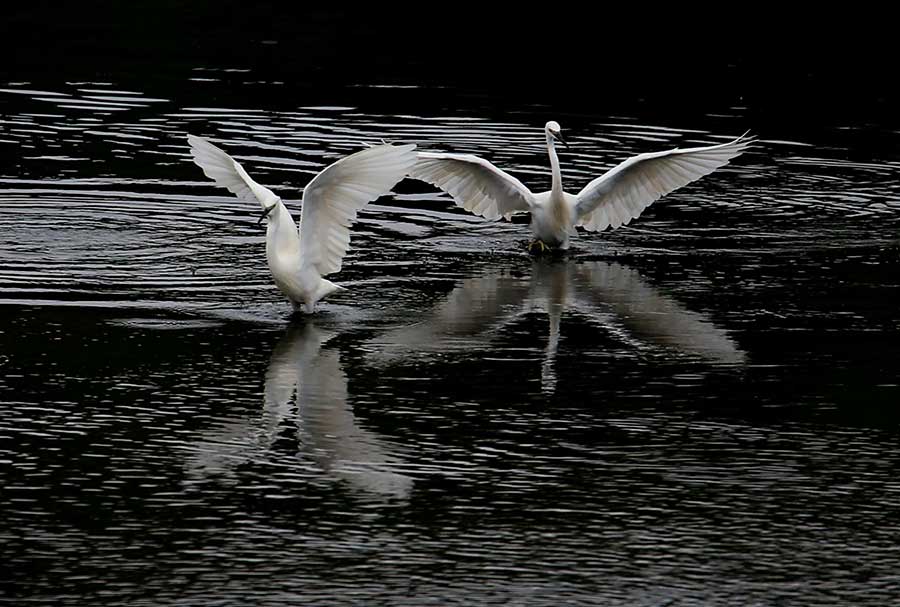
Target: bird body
point(551, 218)
point(299, 259)
point(298, 280)
point(610, 201)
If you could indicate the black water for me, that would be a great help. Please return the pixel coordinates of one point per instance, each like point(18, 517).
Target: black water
point(698, 409)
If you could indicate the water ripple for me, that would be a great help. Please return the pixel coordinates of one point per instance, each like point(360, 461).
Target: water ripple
point(697, 409)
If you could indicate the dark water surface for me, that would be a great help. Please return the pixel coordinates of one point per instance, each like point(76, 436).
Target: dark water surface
point(698, 409)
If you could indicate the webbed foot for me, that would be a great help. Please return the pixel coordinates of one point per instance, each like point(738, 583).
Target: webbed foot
point(537, 247)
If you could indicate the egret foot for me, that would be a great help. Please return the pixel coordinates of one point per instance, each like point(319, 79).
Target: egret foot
point(537, 247)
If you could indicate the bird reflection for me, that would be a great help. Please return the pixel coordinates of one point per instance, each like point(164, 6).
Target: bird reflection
point(304, 382)
point(605, 294)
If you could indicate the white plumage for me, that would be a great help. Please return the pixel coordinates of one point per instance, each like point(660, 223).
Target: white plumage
point(298, 261)
point(610, 201)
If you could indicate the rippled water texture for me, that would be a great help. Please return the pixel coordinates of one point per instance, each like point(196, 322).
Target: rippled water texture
point(698, 409)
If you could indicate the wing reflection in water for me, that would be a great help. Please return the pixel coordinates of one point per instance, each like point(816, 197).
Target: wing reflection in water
point(304, 373)
point(606, 294)
point(652, 316)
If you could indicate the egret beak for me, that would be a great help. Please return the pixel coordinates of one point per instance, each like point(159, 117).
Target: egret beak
point(265, 214)
point(558, 136)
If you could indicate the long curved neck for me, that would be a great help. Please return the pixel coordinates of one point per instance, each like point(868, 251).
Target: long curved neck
point(281, 233)
point(556, 188)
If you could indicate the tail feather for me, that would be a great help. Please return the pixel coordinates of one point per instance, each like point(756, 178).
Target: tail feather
point(325, 288)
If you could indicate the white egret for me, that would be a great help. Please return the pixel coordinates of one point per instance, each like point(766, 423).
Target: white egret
point(298, 260)
point(609, 201)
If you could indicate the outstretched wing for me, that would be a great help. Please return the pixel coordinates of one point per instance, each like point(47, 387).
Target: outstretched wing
point(228, 173)
point(333, 197)
point(474, 184)
point(623, 192)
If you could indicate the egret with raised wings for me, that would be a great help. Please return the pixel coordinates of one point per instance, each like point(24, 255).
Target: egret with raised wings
point(298, 259)
point(609, 201)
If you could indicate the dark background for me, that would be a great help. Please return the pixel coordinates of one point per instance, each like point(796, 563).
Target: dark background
point(793, 72)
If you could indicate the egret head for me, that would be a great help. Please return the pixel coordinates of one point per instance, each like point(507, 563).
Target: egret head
point(554, 131)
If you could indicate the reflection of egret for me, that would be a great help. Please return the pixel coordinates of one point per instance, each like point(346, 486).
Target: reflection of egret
point(607, 294)
point(330, 203)
point(301, 372)
point(609, 201)
point(650, 315)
